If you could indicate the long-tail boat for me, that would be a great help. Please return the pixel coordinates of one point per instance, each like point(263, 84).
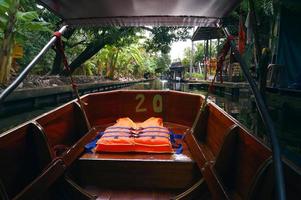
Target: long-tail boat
point(47, 158)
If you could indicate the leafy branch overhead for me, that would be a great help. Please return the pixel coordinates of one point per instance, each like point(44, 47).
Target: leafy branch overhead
point(162, 37)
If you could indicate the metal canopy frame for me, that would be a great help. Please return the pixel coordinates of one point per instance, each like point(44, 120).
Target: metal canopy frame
point(29, 67)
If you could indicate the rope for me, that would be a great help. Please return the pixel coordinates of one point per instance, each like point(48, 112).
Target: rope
point(59, 46)
point(219, 67)
point(223, 53)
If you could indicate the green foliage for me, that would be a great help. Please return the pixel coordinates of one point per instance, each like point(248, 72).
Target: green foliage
point(196, 76)
point(130, 61)
point(199, 53)
point(162, 63)
point(33, 23)
point(17, 25)
point(162, 37)
point(27, 22)
point(268, 7)
point(265, 11)
point(187, 57)
point(126, 50)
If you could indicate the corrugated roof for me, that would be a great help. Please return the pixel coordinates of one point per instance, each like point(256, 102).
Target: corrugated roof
point(207, 33)
point(141, 12)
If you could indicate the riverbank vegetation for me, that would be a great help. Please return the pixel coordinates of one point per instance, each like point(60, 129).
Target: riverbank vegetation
point(109, 52)
point(115, 52)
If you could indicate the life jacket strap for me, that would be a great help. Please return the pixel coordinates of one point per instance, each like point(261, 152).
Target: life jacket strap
point(91, 145)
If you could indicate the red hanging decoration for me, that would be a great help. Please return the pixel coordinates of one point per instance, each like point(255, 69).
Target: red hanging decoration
point(241, 36)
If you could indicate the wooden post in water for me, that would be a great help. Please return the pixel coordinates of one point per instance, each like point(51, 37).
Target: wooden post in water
point(204, 61)
point(206, 57)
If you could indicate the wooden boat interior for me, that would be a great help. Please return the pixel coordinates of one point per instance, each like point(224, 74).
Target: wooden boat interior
point(45, 158)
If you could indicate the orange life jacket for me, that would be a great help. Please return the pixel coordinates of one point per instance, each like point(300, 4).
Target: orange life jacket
point(127, 136)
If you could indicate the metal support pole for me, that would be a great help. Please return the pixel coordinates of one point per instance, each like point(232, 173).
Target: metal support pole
point(267, 120)
point(24, 73)
point(210, 55)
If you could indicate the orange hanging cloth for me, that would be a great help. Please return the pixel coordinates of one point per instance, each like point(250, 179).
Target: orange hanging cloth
point(241, 36)
point(127, 136)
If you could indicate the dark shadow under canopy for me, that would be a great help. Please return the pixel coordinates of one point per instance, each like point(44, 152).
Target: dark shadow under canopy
point(205, 13)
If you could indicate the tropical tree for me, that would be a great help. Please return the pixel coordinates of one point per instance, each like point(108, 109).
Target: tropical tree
point(114, 62)
point(159, 40)
point(24, 20)
point(162, 62)
point(14, 26)
point(199, 54)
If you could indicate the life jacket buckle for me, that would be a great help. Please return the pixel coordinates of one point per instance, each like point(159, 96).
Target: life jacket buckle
point(135, 133)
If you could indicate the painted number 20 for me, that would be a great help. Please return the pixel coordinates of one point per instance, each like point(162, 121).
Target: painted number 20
point(157, 103)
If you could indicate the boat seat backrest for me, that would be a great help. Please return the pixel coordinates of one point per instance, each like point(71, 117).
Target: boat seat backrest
point(216, 169)
point(241, 172)
point(225, 159)
point(237, 166)
point(211, 129)
point(64, 126)
point(217, 128)
point(250, 155)
point(24, 153)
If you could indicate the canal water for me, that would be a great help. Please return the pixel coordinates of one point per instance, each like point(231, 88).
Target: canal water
point(241, 108)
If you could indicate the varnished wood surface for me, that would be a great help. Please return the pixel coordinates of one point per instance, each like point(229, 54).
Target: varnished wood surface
point(140, 170)
point(20, 158)
point(177, 107)
point(137, 174)
point(65, 126)
point(42, 182)
point(22, 150)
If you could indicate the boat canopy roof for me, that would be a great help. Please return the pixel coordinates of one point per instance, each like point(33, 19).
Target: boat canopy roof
point(207, 33)
point(204, 13)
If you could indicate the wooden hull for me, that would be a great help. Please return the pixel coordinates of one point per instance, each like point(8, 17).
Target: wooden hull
point(44, 158)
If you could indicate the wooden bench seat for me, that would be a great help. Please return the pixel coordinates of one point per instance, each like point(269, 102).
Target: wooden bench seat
point(25, 153)
point(142, 170)
point(229, 158)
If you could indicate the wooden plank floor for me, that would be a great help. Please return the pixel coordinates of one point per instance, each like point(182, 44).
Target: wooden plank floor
point(139, 170)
